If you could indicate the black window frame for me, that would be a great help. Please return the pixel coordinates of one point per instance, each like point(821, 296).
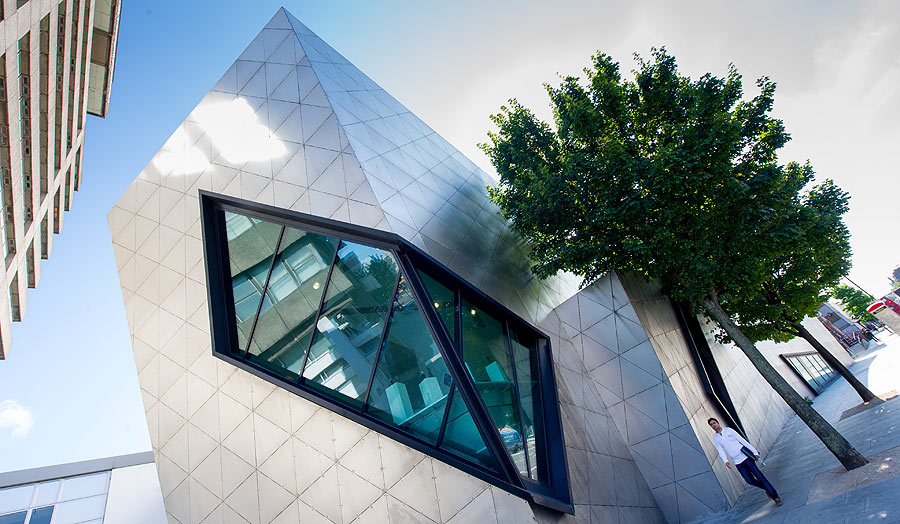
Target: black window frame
point(555, 494)
point(818, 379)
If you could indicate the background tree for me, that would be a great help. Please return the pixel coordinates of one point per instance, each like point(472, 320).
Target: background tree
point(664, 176)
point(854, 302)
point(384, 270)
point(809, 260)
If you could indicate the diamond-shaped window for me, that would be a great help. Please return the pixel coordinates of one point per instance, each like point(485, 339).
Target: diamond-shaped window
point(361, 322)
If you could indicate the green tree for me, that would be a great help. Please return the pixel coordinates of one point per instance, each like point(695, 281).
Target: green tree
point(672, 178)
point(809, 261)
point(854, 302)
point(384, 270)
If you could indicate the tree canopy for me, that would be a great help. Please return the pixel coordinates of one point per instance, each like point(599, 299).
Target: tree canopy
point(672, 178)
point(663, 175)
point(805, 265)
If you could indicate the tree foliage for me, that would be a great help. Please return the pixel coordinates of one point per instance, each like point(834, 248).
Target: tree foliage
point(803, 267)
point(672, 178)
point(854, 302)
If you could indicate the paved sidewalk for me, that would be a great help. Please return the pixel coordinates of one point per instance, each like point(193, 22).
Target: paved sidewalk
point(798, 456)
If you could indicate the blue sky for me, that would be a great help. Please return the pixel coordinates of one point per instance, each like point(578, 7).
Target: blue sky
point(69, 391)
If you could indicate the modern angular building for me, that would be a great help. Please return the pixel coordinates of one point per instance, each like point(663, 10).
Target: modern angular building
point(331, 323)
point(56, 66)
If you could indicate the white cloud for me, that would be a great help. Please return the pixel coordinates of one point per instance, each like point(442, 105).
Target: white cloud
point(15, 417)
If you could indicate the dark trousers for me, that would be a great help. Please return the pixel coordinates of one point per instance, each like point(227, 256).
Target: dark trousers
point(754, 477)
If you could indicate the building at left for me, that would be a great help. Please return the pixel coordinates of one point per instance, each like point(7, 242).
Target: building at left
point(56, 67)
point(121, 489)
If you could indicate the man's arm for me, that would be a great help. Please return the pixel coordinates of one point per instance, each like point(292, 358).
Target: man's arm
point(743, 441)
point(722, 454)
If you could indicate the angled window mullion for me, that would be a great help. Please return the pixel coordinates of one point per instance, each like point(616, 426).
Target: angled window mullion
point(223, 328)
point(446, 417)
point(551, 420)
point(457, 321)
point(518, 397)
point(262, 295)
point(387, 321)
point(456, 309)
point(321, 307)
point(468, 391)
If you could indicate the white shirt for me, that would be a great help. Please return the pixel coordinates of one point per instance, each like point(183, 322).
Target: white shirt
point(728, 444)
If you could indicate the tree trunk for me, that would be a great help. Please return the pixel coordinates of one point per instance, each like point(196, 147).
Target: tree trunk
point(864, 393)
point(834, 441)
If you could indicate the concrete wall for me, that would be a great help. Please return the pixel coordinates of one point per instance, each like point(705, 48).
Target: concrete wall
point(760, 409)
point(617, 344)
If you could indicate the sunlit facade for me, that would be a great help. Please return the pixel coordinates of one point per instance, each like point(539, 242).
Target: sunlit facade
point(56, 68)
point(332, 323)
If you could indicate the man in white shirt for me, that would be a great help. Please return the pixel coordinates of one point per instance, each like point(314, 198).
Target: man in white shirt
point(728, 444)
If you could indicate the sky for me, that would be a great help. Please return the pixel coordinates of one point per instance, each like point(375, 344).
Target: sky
point(69, 390)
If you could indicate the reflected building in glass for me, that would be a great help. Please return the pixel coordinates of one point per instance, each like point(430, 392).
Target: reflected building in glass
point(57, 67)
point(331, 323)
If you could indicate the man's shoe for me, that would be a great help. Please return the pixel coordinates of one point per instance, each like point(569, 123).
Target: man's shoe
point(778, 501)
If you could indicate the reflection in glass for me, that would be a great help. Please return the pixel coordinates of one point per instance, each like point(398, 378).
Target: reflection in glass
point(444, 302)
point(357, 300)
point(461, 437)
point(411, 380)
point(41, 515)
point(486, 355)
point(343, 317)
point(292, 300)
point(525, 357)
point(14, 518)
point(251, 244)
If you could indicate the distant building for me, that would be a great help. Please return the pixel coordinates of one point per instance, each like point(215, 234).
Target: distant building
point(114, 490)
point(887, 310)
point(834, 315)
point(57, 67)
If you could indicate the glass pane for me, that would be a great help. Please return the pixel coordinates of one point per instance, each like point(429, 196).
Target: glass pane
point(41, 515)
point(47, 493)
point(84, 486)
point(462, 437)
point(444, 302)
point(815, 369)
point(251, 244)
point(808, 371)
point(349, 330)
point(292, 301)
point(527, 376)
point(486, 355)
point(13, 518)
point(13, 499)
point(411, 381)
point(802, 367)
